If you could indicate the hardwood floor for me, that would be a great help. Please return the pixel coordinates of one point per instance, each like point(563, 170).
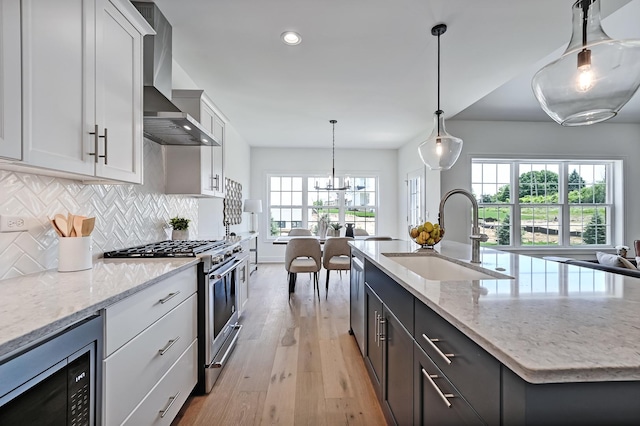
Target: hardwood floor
point(295, 362)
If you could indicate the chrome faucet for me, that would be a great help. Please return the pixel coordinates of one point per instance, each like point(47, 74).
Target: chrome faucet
point(476, 237)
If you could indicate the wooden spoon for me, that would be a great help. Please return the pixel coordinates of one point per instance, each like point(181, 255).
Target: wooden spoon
point(70, 231)
point(87, 226)
point(77, 225)
point(61, 223)
point(55, 227)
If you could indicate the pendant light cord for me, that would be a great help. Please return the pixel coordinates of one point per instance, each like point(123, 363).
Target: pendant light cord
point(438, 30)
point(585, 15)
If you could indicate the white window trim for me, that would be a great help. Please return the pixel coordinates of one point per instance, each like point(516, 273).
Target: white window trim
point(305, 196)
point(615, 190)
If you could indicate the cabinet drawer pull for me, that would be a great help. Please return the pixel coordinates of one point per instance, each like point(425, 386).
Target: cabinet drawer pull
point(445, 396)
point(168, 346)
point(169, 297)
point(444, 356)
point(171, 401)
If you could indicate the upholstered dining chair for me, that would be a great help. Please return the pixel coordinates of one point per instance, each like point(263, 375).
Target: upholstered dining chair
point(303, 254)
point(336, 256)
point(359, 232)
point(299, 232)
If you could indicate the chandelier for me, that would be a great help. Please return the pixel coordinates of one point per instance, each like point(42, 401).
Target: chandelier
point(441, 150)
point(329, 186)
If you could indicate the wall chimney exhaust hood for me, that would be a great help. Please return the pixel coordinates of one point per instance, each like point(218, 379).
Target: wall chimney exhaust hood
point(165, 123)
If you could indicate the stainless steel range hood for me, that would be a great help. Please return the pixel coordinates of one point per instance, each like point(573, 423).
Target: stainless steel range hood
point(164, 122)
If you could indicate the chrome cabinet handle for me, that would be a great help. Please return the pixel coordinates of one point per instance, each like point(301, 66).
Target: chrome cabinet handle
point(96, 138)
point(105, 146)
point(95, 143)
point(445, 396)
point(168, 346)
point(381, 337)
point(375, 335)
point(171, 401)
point(169, 297)
point(211, 179)
point(217, 179)
point(435, 348)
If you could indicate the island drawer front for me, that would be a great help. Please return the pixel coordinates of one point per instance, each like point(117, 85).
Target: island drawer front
point(135, 368)
point(169, 394)
point(429, 407)
point(398, 300)
point(127, 318)
point(472, 370)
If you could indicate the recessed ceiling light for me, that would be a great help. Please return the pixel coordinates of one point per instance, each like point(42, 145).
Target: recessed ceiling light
point(291, 38)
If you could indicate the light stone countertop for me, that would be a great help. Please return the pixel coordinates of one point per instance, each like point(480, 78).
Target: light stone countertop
point(35, 306)
point(553, 323)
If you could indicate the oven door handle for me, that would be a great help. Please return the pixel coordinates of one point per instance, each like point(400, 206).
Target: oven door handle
point(220, 364)
point(218, 275)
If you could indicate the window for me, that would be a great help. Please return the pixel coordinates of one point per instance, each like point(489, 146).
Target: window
point(550, 203)
point(295, 203)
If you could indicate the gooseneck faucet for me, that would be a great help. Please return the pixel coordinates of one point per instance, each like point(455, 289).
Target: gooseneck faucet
point(476, 237)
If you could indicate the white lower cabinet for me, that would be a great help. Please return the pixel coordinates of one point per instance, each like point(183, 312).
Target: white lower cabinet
point(163, 402)
point(152, 359)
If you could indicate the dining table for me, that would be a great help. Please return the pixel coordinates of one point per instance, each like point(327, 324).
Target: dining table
point(283, 240)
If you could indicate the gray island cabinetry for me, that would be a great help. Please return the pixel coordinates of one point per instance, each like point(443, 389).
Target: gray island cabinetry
point(436, 360)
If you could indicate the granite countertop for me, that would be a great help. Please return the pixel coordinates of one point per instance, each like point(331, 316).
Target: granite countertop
point(552, 323)
point(34, 306)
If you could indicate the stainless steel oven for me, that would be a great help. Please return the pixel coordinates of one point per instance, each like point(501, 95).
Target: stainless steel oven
point(218, 310)
point(55, 382)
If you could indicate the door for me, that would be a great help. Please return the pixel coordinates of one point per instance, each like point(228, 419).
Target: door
point(374, 345)
point(58, 84)
point(10, 81)
point(436, 402)
point(416, 213)
point(118, 95)
point(399, 371)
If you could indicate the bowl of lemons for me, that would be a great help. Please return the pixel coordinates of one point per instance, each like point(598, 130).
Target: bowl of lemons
point(426, 235)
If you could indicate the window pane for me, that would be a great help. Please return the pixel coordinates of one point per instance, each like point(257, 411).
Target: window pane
point(589, 225)
point(296, 184)
point(275, 184)
point(275, 199)
point(296, 198)
point(363, 218)
point(538, 183)
point(539, 226)
point(495, 222)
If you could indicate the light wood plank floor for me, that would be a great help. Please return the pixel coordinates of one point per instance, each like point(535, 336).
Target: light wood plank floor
point(295, 362)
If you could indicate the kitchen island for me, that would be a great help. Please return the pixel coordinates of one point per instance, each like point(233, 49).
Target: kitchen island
point(555, 338)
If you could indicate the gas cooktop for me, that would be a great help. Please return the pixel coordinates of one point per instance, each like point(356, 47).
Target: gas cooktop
point(169, 248)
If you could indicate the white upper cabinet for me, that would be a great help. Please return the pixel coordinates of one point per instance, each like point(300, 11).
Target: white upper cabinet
point(82, 77)
point(196, 170)
point(10, 97)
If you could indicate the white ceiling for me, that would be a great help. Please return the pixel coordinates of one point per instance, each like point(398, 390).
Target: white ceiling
point(370, 64)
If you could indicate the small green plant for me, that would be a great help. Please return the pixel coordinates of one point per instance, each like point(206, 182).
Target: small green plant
point(179, 223)
point(335, 225)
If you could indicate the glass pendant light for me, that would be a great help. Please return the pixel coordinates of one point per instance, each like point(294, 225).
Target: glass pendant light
point(441, 150)
point(594, 77)
point(331, 180)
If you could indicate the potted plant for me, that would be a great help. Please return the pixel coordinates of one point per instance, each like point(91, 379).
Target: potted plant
point(180, 227)
point(334, 229)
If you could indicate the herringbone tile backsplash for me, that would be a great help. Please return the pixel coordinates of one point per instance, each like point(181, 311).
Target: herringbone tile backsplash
point(126, 215)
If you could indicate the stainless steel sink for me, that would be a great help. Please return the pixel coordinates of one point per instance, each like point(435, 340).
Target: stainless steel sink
point(439, 268)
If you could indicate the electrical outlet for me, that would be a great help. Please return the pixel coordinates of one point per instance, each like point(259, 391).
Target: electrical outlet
point(12, 224)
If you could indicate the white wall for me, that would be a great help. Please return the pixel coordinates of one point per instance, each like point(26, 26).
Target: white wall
point(544, 140)
point(409, 161)
point(382, 163)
